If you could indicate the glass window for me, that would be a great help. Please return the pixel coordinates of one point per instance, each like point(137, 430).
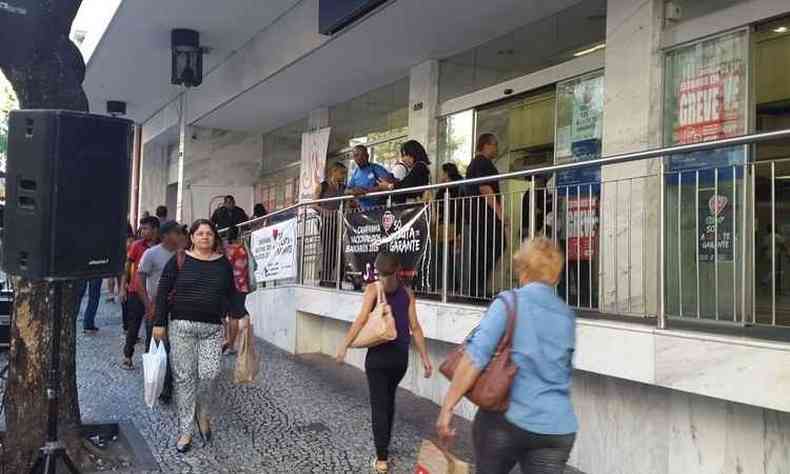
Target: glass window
point(772, 173)
point(705, 99)
point(524, 128)
point(282, 147)
point(456, 139)
point(561, 37)
point(375, 116)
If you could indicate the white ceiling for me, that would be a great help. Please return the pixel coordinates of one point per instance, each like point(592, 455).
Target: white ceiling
point(373, 53)
point(132, 60)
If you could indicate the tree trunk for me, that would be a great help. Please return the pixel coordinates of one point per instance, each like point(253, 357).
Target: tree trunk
point(50, 77)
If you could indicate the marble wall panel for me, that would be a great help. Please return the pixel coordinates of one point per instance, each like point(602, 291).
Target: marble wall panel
point(727, 368)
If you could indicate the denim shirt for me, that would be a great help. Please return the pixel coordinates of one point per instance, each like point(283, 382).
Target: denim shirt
point(543, 343)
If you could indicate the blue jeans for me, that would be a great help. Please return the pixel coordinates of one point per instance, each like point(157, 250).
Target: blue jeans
point(94, 293)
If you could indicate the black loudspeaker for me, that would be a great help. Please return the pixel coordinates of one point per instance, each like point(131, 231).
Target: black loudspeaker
point(67, 194)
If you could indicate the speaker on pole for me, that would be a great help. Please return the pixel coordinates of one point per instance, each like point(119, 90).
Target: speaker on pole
point(67, 194)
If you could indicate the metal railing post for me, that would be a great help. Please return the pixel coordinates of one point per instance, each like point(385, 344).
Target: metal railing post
point(339, 246)
point(446, 246)
point(303, 215)
point(532, 208)
point(661, 317)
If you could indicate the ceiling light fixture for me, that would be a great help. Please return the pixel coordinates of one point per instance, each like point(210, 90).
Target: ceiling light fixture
point(781, 29)
point(590, 50)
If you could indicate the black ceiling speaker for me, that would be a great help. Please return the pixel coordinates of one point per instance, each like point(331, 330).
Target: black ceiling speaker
point(116, 107)
point(187, 58)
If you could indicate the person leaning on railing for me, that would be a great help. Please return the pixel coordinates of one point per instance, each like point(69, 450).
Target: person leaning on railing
point(416, 159)
point(539, 427)
point(367, 178)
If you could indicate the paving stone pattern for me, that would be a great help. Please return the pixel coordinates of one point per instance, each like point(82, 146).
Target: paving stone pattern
point(302, 415)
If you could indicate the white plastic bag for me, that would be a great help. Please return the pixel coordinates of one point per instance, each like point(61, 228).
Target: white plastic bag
point(154, 369)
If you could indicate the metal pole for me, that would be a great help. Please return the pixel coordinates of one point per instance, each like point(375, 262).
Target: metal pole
point(696, 244)
point(531, 208)
point(716, 245)
point(680, 244)
point(773, 243)
point(446, 245)
point(303, 216)
point(732, 243)
point(339, 247)
point(661, 317)
point(593, 251)
point(744, 232)
point(182, 140)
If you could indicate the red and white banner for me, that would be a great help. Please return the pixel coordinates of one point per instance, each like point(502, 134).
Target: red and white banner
point(582, 227)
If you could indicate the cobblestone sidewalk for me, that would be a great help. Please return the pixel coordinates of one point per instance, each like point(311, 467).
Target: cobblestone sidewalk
point(303, 415)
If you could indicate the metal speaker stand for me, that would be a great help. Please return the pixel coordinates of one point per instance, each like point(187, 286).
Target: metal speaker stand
point(53, 450)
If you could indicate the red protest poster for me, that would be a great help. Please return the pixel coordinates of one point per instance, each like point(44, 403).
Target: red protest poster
point(582, 227)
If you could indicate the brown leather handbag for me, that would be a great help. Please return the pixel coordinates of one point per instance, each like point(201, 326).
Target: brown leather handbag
point(491, 391)
point(380, 326)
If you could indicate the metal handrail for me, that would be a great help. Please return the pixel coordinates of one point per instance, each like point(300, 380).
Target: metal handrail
point(605, 160)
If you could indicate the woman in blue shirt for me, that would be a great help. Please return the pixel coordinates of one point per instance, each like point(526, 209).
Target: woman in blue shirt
point(539, 428)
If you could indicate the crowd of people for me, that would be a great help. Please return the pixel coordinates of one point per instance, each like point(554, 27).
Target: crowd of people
point(189, 287)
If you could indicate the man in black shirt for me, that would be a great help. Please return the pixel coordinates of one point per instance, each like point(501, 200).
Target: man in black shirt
point(228, 215)
point(484, 216)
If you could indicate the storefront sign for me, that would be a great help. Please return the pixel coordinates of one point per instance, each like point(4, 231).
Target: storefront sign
point(715, 221)
point(314, 148)
point(402, 230)
point(274, 249)
point(706, 98)
point(582, 227)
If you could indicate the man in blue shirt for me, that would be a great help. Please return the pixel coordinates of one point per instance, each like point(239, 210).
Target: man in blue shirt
point(367, 178)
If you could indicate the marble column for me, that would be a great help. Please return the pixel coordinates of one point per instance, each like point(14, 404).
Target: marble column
point(423, 105)
point(632, 122)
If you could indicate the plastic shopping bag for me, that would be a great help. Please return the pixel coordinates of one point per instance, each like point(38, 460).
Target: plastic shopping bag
point(434, 460)
point(154, 369)
point(247, 362)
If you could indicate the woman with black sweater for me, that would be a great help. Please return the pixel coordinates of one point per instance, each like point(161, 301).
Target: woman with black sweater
point(415, 157)
point(194, 294)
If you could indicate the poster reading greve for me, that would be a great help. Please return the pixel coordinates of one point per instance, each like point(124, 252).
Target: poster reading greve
point(402, 230)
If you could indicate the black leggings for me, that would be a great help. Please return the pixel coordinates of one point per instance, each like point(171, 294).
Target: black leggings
point(383, 383)
point(500, 445)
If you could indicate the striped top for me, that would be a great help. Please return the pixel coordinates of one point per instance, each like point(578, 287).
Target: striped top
point(204, 292)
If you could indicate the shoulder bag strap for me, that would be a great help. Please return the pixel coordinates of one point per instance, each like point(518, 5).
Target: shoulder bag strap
point(180, 257)
point(508, 328)
point(382, 297)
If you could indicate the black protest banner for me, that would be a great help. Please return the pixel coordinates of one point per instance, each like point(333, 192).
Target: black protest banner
point(401, 230)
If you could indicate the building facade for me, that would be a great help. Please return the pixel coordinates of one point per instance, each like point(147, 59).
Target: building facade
point(698, 240)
